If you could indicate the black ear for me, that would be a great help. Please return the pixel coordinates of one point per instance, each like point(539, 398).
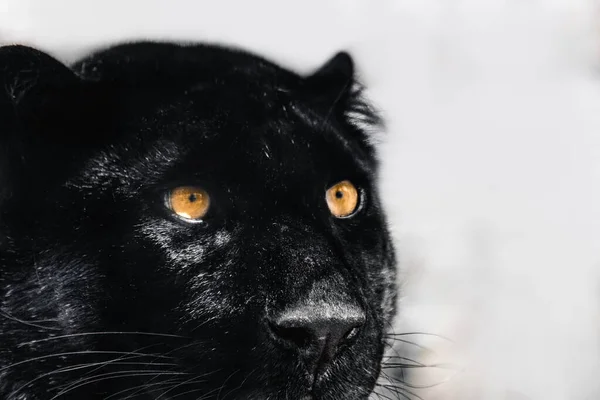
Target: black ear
point(339, 69)
point(38, 98)
point(333, 81)
point(334, 90)
point(29, 80)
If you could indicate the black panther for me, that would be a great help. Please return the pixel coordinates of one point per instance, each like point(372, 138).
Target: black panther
point(188, 221)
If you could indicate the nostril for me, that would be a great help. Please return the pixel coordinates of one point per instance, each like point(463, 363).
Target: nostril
point(300, 337)
point(320, 333)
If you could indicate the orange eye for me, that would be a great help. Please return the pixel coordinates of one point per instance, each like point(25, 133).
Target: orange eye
point(189, 202)
point(342, 199)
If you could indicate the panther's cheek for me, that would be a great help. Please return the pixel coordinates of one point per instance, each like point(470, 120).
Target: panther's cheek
point(183, 249)
point(388, 301)
point(207, 302)
point(219, 295)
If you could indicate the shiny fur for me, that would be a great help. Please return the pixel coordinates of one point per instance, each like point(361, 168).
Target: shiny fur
point(103, 292)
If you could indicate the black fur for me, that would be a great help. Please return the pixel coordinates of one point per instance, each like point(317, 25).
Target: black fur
point(104, 293)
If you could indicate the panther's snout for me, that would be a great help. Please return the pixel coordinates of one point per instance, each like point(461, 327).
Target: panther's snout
point(317, 331)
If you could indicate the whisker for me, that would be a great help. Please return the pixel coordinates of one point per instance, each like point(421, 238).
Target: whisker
point(209, 393)
point(202, 324)
point(111, 375)
point(394, 388)
point(415, 386)
point(102, 333)
point(75, 368)
point(399, 391)
point(404, 358)
point(401, 365)
point(412, 343)
point(158, 376)
point(147, 383)
point(28, 323)
point(83, 352)
point(225, 382)
point(138, 389)
point(437, 366)
point(399, 394)
point(380, 395)
point(121, 358)
point(418, 333)
point(195, 379)
point(241, 384)
point(190, 391)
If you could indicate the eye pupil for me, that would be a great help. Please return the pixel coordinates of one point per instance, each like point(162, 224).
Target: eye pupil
point(339, 194)
point(193, 197)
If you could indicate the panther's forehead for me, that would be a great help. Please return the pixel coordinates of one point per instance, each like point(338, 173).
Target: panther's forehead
point(177, 143)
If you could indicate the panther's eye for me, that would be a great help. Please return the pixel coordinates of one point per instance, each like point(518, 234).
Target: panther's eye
point(188, 202)
point(342, 199)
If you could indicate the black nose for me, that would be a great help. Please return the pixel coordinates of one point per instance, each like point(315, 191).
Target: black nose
point(319, 331)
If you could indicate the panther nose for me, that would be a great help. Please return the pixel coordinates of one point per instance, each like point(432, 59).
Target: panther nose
point(318, 331)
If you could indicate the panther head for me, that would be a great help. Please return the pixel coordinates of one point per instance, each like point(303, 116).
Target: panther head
point(188, 222)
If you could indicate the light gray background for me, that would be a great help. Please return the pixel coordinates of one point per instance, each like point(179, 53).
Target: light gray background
point(491, 162)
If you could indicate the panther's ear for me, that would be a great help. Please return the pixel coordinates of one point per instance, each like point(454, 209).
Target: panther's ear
point(336, 92)
point(340, 67)
point(334, 80)
point(29, 77)
point(37, 98)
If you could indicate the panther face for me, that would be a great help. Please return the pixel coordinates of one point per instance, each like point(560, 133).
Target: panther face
point(188, 222)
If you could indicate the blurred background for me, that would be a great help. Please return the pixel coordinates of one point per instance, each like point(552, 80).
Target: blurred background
point(491, 162)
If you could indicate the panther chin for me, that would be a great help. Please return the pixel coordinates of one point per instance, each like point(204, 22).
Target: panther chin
point(189, 222)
